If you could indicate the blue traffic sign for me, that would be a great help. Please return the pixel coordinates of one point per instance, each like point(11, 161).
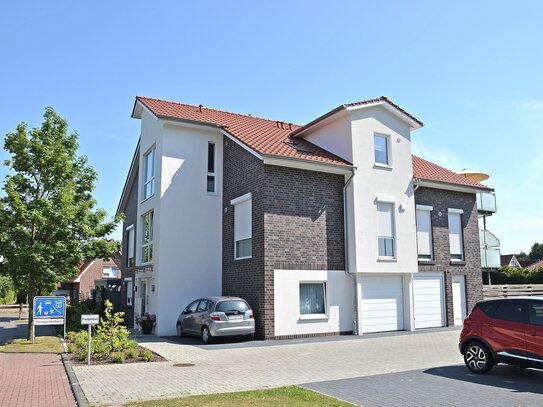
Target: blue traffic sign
point(49, 307)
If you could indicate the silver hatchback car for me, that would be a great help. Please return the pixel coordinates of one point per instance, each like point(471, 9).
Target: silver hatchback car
point(217, 316)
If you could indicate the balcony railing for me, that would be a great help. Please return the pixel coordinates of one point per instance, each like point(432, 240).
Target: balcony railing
point(490, 250)
point(486, 202)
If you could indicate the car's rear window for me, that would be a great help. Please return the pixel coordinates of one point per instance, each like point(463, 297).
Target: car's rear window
point(232, 305)
point(489, 308)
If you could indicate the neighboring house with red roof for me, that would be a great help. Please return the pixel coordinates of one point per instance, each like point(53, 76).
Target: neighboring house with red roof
point(510, 260)
point(328, 228)
point(81, 287)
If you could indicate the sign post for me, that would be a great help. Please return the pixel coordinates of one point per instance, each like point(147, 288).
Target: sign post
point(90, 320)
point(49, 311)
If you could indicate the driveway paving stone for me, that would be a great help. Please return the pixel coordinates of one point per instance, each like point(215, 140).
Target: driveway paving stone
point(442, 386)
point(225, 368)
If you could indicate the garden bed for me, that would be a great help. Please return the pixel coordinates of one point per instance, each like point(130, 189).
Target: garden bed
point(107, 359)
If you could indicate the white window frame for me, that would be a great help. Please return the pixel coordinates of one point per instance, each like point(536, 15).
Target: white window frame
point(234, 202)
point(130, 246)
point(325, 299)
point(148, 244)
point(129, 293)
point(426, 209)
point(460, 212)
point(387, 138)
point(109, 274)
point(214, 172)
point(393, 227)
point(151, 180)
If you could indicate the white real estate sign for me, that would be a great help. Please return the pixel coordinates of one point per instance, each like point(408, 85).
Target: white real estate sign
point(90, 319)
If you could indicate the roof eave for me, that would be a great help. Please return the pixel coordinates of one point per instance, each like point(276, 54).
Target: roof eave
point(311, 165)
point(450, 186)
point(129, 180)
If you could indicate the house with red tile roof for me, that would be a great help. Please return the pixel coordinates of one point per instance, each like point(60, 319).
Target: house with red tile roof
point(83, 285)
point(327, 228)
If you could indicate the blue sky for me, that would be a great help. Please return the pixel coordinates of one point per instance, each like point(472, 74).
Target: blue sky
point(471, 71)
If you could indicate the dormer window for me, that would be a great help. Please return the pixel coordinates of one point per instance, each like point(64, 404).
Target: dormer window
point(380, 147)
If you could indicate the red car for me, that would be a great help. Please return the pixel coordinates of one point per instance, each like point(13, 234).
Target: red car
point(507, 330)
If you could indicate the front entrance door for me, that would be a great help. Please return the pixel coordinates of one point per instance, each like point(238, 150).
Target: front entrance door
point(459, 299)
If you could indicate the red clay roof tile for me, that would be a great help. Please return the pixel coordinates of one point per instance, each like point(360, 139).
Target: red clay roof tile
point(270, 137)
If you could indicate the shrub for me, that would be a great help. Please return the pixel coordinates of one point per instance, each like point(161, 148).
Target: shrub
point(7, 291)
point(111, 329)
point(131, 353)
point(117, 357)
point(513, 275)
point(146, 355)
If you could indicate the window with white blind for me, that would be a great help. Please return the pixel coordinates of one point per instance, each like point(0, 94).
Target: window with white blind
point(385, 218)
point(424, 232)
point(456, 243)
point(149, 174)
point(243, 227)
point(130, 257)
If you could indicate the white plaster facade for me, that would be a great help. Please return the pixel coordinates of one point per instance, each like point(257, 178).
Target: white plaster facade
point(187, 237)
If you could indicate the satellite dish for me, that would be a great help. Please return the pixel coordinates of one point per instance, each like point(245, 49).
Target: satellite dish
point(474, 176)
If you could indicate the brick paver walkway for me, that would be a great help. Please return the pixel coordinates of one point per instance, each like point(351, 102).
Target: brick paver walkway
point(34, 379)
point(31, 379)
point(225, 369)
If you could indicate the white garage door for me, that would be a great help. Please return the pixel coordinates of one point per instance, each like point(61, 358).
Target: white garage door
point(428, 299)
point(382, 304)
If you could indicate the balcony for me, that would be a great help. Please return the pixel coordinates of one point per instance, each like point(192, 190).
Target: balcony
point(486, 202)
point(490, 250)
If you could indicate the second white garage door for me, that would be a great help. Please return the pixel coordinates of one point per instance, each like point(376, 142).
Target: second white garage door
point(428, 299)
point(382, 304)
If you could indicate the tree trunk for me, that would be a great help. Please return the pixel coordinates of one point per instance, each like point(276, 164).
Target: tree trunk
point(31, 294)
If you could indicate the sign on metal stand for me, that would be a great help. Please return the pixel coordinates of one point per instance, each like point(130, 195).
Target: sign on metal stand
point(90, 320)
point(49, 311)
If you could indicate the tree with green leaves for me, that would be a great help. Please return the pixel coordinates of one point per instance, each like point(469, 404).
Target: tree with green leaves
point(48, 220)
point(536, 253)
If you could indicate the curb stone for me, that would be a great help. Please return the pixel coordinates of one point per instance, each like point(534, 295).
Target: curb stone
point(80, 398)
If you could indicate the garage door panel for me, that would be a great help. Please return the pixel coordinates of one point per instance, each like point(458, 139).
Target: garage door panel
point(428, 301)
point(382, 304)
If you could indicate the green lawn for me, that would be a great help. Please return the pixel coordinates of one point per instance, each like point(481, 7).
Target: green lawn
point(283, 396)
point(44, 344)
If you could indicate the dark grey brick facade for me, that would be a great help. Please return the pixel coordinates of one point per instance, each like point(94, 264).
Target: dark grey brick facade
point(131, 217)
point(441, 200)
point(297, 224)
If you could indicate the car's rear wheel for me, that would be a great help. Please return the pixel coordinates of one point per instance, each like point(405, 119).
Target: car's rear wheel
point(478, 357)
point(206, 335)
point(180, 332)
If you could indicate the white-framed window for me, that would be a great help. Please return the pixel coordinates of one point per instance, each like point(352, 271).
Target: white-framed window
point(385, 220)
point(381, 149)
point(130, 252)
point(313, 298)
point(424, 232)
point(211, 168)
point(147, 237)
point(149, 174)
point(243, 224)
point(129, 288)
point(110, 272)
point(456, 240)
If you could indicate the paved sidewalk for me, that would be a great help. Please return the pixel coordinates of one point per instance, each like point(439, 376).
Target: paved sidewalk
point(31, 379)
point(226, 369)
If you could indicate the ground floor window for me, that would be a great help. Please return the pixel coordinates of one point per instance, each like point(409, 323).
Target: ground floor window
point(312, 298)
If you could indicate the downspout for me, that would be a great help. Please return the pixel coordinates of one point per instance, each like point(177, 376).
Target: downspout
point(346, 243)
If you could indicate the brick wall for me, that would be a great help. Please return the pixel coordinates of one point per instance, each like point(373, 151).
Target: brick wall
point(471, 266)
point(303, 225)
point(244, 173)
point(297, 224)
point(131, 217)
